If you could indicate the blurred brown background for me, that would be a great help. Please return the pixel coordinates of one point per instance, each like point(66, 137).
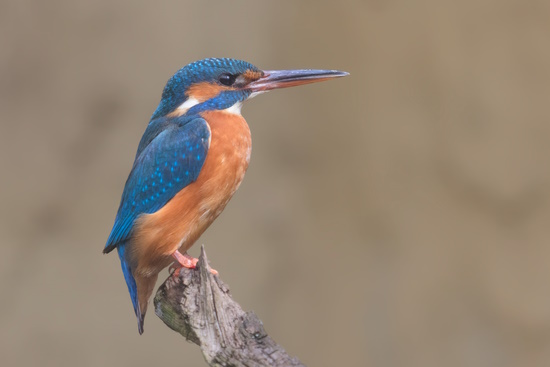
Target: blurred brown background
point(397, 217)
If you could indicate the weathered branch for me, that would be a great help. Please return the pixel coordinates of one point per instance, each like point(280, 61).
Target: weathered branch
point(198, 305)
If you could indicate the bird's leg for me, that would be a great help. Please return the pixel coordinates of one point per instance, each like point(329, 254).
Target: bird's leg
point(186, 261)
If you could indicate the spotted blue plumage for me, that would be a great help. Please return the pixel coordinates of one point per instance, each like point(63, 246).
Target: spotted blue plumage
point(169, 157)
point(169, 162)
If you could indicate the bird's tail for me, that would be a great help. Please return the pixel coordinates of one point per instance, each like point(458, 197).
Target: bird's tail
point(131, 283)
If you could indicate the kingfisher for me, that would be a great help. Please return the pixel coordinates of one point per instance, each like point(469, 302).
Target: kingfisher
point(190, 161)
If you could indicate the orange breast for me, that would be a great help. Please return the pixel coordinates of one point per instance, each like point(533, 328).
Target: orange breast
point(184, 218)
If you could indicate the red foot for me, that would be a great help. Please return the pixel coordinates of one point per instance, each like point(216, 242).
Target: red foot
point(185, 261)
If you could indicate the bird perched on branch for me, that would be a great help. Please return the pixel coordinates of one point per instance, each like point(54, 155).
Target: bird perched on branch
point(189, 162)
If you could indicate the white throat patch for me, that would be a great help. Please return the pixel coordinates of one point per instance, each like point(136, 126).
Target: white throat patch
point(235, 109)
point(185, 106)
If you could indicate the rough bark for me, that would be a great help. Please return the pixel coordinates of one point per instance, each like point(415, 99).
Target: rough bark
point(197, 304)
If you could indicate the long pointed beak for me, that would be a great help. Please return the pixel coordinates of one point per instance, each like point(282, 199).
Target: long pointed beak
point(273, 79)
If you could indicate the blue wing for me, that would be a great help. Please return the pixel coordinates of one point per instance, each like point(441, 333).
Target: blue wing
point(170, 161)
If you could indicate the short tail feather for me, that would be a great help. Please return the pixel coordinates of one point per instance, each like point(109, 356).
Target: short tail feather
point(132, 287)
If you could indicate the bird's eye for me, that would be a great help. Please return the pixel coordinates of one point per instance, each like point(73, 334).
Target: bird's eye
point(227, 79)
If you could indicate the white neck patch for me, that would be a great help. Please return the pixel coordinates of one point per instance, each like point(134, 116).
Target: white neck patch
point(185, 106)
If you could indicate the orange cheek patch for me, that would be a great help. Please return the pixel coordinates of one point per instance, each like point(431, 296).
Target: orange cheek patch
point(252, 75)
point(204, 91)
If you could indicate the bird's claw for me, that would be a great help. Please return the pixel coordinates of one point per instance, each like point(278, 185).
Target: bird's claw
point(185, 261)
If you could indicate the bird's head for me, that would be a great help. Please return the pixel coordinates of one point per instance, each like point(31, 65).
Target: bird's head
point(220, 84)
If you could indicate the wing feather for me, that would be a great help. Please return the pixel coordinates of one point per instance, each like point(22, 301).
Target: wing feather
point(170, 162)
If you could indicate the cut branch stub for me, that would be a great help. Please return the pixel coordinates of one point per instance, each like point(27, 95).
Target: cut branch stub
point(197, 304)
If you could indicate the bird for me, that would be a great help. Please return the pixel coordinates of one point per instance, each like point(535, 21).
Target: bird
point(189, 162)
